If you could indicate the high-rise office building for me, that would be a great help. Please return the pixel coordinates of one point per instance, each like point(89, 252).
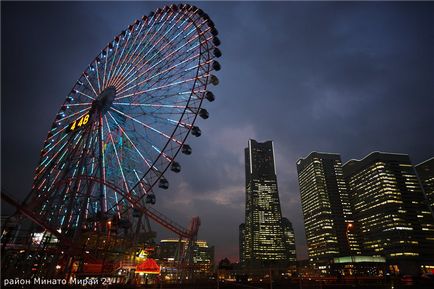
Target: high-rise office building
point(289, 238)
point(262, 239)
point(390, 211)
point(425, 172)
point(326, 208)
point(170, 250)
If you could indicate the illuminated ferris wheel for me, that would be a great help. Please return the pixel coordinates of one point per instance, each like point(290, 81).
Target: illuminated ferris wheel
point(126, 119)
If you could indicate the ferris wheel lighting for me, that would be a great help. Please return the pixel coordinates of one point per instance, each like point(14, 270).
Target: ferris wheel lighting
point(159, 68)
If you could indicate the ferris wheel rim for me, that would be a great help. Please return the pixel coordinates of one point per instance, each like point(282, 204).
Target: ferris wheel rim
point(97, 97)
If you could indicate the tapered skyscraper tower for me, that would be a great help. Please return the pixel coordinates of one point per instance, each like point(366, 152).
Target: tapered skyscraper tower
point(262, 236)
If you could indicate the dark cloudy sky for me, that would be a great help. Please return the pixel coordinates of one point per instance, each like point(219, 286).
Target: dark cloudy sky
point(351, 78)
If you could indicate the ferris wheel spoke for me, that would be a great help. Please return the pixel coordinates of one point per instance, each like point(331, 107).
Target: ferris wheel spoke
point(110, 74)
point(136, 60)
point(165, 156)
point(53, 158)
point(88, 96)
point(146, 102)
point(161, 78)
point(169, 69)
point(102, 168)
point(132, 45)
point(128, 138)
point(91, 86)
point(146, 54)
point(122, 59)
point(164, 95)
point(110, 136)
point(46, 166)
point(179, 122)
point(165, 120)
point(112, 70)
point(150, 105)
point(160, 87)
point(166, 57)
point(97, 75)
point(118, 161)
point(147, 162)
point(79, 104)
point(146, 126)
point(57, 162)
point(142, 187)
point(105, 71)
point(150, 49)
point(118, 65)
point(69, 188)
point(53, 146)
point(55, 134)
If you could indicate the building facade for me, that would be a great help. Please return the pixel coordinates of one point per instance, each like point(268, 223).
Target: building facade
point(170, 251)
point(390, 211)
point(425, 172)
point(262, 237)
point(289, 238)
point(326, 209)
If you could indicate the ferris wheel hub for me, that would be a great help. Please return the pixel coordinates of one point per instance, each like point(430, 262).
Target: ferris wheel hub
point(104, 100)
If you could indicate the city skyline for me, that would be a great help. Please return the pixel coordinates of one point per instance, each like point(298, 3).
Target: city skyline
point(326, 79)
point(373, 207)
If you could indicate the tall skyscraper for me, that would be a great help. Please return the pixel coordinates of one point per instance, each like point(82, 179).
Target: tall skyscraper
point(425, 172)
point(326, 208)
point(391, 212)
point(262, 239)
point(289, 238)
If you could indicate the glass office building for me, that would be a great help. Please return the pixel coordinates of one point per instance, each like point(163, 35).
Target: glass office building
point(329, 225)
point(264, 237)
point(391, 212)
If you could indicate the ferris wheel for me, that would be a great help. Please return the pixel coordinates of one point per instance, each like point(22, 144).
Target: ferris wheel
point(125, 120)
